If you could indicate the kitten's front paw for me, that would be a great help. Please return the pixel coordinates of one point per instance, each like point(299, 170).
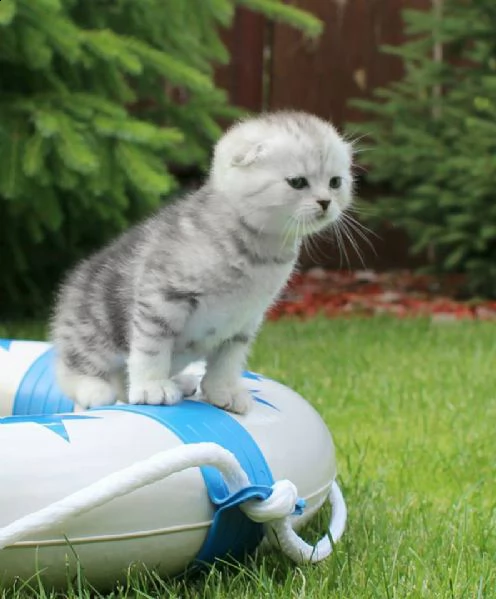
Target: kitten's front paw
point(155, 393)
point(231, 397)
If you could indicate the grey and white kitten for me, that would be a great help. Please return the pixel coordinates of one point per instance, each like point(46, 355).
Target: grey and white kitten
point(193, 281)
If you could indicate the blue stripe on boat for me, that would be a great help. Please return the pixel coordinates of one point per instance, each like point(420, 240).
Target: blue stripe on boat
point(232, 533)
point(38, 392)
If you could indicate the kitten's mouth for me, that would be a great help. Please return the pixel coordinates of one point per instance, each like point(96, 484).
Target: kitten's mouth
point(323, 218)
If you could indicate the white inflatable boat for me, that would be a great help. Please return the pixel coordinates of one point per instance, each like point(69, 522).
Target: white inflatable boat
point(165, 486)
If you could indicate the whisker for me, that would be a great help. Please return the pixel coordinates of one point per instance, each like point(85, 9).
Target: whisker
point(360, 230)
point(354, 140)
point(353, 243)
point(351, 228)
point(333, 236)
point(341, 245)
point(350, 219)
point(357, 225)
point(310, 247)
point(317, 250)
point(361, 150)
point(288, 230)
point(362, 208)
point(328, 236)
point(363, 237)
point(306, 240)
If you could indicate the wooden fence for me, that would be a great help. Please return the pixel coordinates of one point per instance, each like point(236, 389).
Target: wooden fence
point(273, 66)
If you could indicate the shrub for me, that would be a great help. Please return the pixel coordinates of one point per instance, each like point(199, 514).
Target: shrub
point(434, 137)
point(76, 164)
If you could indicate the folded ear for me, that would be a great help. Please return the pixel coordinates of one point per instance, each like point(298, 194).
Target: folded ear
point(248, 155)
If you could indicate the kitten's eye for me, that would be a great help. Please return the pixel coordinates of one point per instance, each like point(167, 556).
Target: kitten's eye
point(335, 182)
point(297, 182)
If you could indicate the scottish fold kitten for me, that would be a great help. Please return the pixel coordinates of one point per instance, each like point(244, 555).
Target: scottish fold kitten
point(194, 280)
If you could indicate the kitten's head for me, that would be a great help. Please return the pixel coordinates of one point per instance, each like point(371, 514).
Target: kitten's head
point(284, 172)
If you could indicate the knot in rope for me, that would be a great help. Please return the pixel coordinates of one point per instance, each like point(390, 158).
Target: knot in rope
point(281, 503)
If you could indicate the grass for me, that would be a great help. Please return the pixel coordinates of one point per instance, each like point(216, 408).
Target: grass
point(412, 408)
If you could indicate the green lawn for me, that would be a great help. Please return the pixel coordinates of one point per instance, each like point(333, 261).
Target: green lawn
point(412, 407)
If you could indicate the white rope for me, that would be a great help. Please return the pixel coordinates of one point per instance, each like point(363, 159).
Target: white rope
point(273, 511)
point(279, 504)
point(281, 533)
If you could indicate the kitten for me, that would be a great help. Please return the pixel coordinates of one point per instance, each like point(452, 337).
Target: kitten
point(193, 281)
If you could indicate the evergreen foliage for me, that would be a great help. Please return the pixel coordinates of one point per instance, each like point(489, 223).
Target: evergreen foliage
point(434, 136)
point(96, 98)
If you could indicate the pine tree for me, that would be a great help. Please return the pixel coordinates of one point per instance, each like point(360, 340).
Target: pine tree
point(434, 138)
point(96, 98)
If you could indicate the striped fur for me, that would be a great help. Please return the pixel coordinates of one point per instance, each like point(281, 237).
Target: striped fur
point(194, 280)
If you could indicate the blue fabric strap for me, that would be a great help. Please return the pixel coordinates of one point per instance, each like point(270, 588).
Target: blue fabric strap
point(232, 533)
point(38, 392)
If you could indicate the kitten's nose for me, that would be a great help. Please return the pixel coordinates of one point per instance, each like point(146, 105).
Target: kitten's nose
point(324, 204)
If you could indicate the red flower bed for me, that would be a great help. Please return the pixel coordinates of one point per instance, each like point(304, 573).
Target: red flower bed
point(366, 293)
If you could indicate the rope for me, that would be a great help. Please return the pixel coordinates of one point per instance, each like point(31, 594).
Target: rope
point(274, 511)
point(281, 533)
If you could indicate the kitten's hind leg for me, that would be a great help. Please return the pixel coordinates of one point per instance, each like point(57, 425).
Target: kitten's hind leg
point(93, 392)
point(187, 383)
point(88, 391)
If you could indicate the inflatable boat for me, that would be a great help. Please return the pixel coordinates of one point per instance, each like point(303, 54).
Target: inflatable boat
point(165, 486)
